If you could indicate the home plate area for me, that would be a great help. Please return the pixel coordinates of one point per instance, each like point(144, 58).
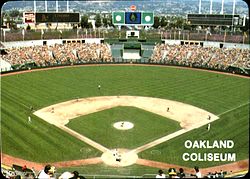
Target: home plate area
point(119, 157)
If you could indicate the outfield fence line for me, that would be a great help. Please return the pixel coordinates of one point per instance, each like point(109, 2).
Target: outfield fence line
point(233, 108)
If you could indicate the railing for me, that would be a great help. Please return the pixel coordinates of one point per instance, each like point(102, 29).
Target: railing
point(21, 35)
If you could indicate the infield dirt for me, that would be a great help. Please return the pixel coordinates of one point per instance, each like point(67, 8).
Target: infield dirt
point(189, 117)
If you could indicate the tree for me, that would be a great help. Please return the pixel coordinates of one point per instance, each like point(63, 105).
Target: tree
point(179, 22)
point(163, 22)
point(14, 13)
point(110, 21)
point(2, 17)
point(156, 22)
point(28, 27)
point(105, 22)
point(98, 21)
point(84, 21)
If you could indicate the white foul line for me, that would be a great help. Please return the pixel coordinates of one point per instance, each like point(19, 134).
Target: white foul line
point(234, 108)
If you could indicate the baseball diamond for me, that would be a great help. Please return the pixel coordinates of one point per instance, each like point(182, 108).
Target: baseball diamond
point(74, 124)
point(124, 89)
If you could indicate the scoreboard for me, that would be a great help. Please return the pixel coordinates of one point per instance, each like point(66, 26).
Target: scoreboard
point(57, 17)
point(133, 18)
point(214, 19)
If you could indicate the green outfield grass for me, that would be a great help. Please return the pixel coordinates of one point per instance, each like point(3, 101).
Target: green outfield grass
point(42, 142)
point(147, 127)
point(220, 130)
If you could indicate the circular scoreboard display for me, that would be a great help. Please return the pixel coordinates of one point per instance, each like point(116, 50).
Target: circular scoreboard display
point(132, 18)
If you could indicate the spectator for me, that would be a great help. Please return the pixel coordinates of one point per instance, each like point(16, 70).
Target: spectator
point(77, 176)
point(66, 175)
point(181, 173)
point(160, 174)
point(172, 173)
point(47, 172)
point(197, 172)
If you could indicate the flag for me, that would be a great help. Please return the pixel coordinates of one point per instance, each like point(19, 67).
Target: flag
point(245, 34)
point(23, 32)
point(147, 18)
point(244, 37)
point(60, 31)
point(118, 18)
point(225, 34)
point(42, 32)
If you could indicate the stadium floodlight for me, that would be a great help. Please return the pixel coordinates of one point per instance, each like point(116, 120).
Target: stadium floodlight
point(57, 6)
point(200, 7)
point(67, 6)
point(46, 5)
point(233, 7)
point(211, 6)
point(222, 7)
point(34, 5)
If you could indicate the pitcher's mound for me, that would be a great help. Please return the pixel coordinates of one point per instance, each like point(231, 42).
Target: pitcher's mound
point(119, 157)
point(123, 125)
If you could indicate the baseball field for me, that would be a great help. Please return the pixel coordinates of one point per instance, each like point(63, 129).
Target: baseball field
point(73, 119)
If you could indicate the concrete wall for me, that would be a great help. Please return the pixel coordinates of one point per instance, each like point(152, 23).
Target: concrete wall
point(48, 42)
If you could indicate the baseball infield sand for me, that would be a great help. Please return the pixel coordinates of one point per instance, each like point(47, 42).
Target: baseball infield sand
point(189, 117)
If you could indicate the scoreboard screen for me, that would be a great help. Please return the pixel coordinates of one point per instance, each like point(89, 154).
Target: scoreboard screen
point(213, 19)
point(132, 18)
point(57, 17)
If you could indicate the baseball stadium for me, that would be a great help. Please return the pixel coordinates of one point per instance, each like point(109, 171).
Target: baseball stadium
point(125, 89)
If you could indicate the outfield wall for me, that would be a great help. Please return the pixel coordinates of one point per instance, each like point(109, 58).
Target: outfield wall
point(100, 40)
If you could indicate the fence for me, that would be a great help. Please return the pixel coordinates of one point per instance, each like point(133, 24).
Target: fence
point(21, 35)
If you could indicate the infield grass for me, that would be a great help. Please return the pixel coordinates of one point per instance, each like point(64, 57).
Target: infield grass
point(147, 127)
point(42, 142)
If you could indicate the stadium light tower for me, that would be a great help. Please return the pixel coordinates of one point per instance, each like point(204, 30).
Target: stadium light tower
point(234, 7)
point(200, 7)
point(46, 5)
point(67, 6)
point(222, 7)
point(57, 6)
point(34, 5)
point(211, 6)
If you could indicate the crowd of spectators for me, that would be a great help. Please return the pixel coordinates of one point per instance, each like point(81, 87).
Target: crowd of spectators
point(58, 54)
point(50, 172)
point(197, 56)
point(78, 53)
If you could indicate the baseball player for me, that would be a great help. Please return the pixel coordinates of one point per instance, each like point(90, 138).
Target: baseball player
point(209, 117)
point(29, 119)
point(122, 124)
point(208, 127)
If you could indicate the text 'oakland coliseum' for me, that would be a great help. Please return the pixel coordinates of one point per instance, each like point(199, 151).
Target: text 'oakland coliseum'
point(222, 145)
